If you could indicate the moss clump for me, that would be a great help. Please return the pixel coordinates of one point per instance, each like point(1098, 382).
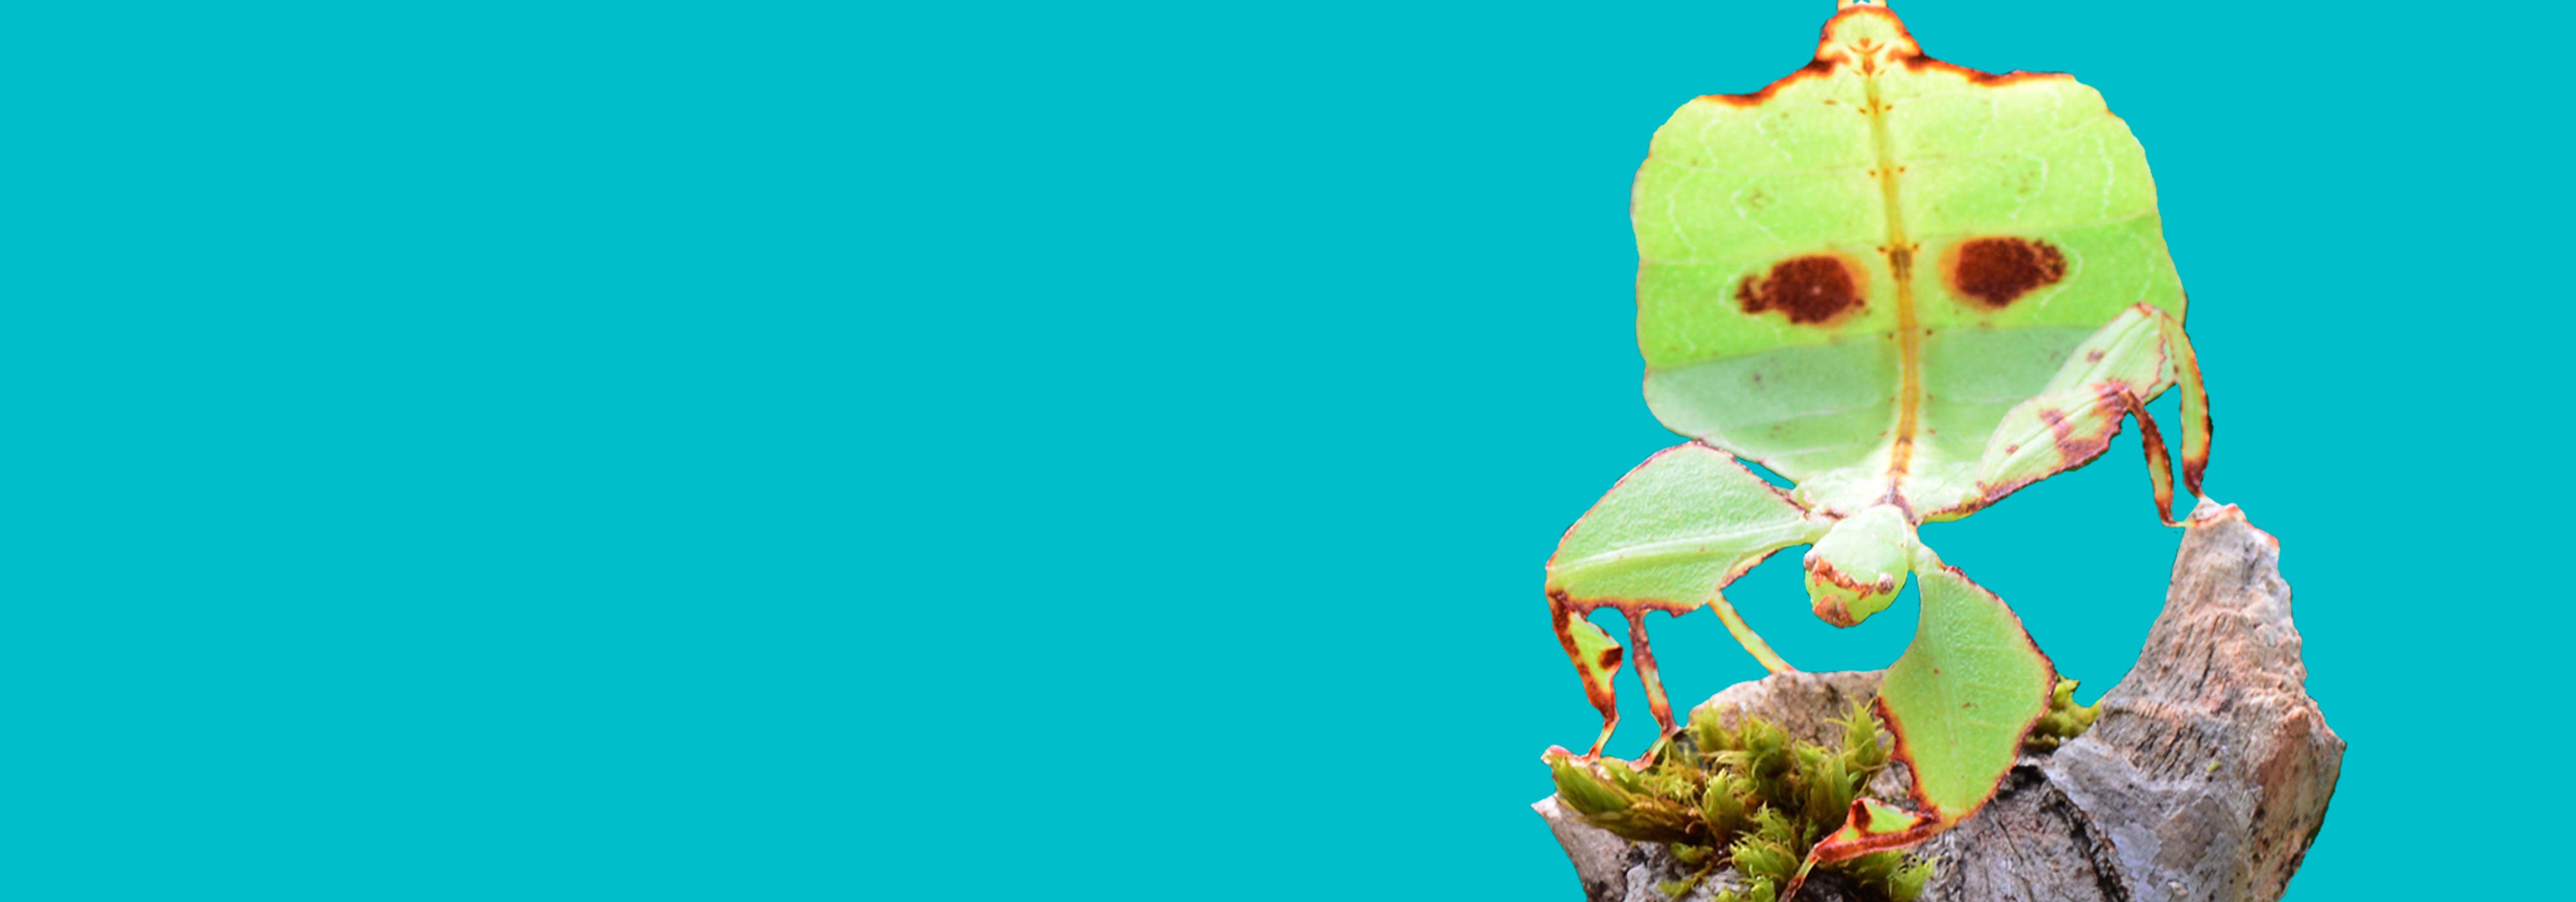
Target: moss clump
point(2065, 719)
point(1748, 797)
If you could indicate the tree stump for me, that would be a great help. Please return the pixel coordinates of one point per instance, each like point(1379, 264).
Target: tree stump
point(2204, 779)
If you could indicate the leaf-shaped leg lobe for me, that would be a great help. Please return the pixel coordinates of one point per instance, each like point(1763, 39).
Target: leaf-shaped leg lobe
point(1671, 535)
point(1596, 659)
point(1963, 695)
point(1872, 826)
point(1875, 826)
point(2071, 421)
point(2159, 464)
point(2181, 369)
point(2064, 430)
point(2196, 425)
point(1959, 703)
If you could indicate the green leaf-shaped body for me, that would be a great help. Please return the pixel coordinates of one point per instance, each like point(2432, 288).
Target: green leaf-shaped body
point(1912, 289)
point(1853, 274)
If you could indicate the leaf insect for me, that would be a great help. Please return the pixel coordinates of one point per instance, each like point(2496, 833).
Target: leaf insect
point(1912, 289)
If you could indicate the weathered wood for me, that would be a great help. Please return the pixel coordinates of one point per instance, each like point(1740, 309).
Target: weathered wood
point(2204, 780)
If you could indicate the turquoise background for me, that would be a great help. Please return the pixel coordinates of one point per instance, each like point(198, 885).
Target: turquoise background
point(1102, 451)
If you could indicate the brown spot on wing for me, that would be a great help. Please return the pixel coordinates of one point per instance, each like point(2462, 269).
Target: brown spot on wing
point(1815, 289)
point(1994, 272)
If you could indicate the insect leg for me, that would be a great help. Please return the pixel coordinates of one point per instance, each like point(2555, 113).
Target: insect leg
point(1744, 634)
point(1596, 659)
point(2196, 426)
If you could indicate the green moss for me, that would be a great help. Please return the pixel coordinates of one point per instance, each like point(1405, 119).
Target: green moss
point(1751, 798)
point(2065, 719)
point(1747, 797)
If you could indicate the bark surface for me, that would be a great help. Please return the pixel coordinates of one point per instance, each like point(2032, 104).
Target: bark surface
point(2204, 780)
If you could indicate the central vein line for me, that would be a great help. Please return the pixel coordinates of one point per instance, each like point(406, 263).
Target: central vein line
point(1900, 263)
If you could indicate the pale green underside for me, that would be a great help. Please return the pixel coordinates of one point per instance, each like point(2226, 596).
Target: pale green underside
point(1728, 191)
point(1674, 530)
point(1824, 415)
point(1964, 690)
